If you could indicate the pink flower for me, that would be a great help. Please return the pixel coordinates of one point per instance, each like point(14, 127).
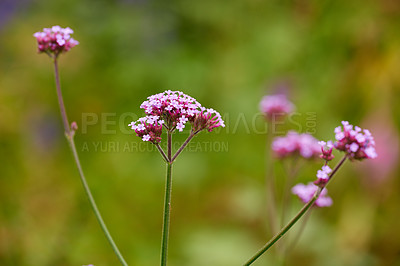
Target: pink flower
point(326, 149)
point(306, 193)
point(294, 143)
point(276, 106)
point(55, 40)
point(172, 110)
point(357, 143)
point(323, 176)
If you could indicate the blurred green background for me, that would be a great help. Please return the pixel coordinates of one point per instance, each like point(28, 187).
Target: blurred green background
point(336, 60)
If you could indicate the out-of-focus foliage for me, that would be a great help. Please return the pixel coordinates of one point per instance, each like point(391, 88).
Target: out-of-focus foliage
point(339, 60)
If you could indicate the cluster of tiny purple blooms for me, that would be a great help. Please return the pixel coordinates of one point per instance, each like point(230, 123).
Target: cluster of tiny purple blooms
point(55, 40)
point(356, 143)
point(173, 110)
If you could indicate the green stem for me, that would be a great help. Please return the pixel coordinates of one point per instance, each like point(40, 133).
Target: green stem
point(70, 138)
point(298, 235)
point(169, 144)
point(94, 205)
point(181, 148)
point(167, 204)
point(285, 229)
point(303, 210)
point(166, 218)
point(60, 99)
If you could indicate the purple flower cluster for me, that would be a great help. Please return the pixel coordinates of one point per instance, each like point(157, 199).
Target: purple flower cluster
point(294, 143)
point(55, 40)
point(172, 110)
point(275, 106)
point(357, 143)
point(306, 193)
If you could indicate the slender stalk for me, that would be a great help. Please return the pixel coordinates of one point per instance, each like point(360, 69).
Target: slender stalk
point(169, 144)
point(192, 134)
point(167, 203)
point(70, 138)
point(162, 153)
point(94, 205)
point(298, 235)
point(60, 99)
point(166, 217)
point(303, 210)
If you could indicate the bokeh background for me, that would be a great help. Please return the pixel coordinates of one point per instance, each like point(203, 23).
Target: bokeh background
point(336, 60)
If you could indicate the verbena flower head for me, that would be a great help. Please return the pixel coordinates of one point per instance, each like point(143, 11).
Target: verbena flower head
point(326, 150)
point(173, 110)
point(357, 143)
point(55, 40)
point(294, 143)
point(323, 175)
point(276, 106)
point(306, 192)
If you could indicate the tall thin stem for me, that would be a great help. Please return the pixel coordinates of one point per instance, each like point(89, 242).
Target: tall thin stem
point(166, 217)
point(70, 138)
point(167, 203)
point(303, 210)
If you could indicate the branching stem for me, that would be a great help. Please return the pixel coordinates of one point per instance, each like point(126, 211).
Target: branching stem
point(70, 138)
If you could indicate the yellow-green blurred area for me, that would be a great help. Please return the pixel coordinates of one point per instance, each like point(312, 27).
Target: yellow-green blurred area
point(336, 60)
